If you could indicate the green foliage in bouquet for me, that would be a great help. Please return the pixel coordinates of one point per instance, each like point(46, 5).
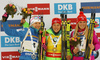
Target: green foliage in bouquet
point(10, 9)
point(74, 41)
point(25, 12)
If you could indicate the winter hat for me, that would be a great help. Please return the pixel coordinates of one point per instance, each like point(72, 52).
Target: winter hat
point(35, 19)
point(81, 17)
point(56, 20)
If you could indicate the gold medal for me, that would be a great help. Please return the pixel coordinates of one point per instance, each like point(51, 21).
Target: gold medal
point(54, 49)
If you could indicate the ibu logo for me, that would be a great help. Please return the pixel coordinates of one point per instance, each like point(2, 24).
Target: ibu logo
point(67, 8)
point(10, 41)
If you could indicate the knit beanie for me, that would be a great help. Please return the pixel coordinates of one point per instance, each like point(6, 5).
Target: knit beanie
point(56, 20)
point(35, 19)
point(81, 17)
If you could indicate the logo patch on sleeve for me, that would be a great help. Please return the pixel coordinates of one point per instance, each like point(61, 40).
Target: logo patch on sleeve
point(19, 30)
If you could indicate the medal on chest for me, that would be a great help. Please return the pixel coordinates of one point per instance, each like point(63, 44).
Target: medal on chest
point(55, 42)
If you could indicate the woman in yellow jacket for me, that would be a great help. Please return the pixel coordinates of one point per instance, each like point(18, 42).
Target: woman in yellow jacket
point(53, 51)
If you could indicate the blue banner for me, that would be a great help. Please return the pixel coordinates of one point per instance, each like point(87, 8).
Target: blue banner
point(89, 6)
point(67, 8)
point(13, 24)
point(10, 41)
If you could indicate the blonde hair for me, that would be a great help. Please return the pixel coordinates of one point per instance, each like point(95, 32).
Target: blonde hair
point(76, 31)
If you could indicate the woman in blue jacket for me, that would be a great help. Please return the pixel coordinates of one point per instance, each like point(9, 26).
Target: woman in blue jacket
point(28, 37)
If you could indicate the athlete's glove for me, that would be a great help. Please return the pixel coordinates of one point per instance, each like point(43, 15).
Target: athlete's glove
point(5, 17)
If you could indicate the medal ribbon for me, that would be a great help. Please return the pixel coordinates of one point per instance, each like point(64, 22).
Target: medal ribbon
point(34, 48)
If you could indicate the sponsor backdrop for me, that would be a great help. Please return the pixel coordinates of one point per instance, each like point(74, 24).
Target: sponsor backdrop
point(50, 9)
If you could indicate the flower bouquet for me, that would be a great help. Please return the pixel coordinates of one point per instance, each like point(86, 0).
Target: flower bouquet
point(10, 9)
point(74, 41)
point(25, 12)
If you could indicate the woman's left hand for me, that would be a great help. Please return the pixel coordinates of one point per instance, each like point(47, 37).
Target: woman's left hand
point(91, 46)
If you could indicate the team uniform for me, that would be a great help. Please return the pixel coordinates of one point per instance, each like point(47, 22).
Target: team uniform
point(28, 38)
point(50, 54)
point(53, 51)
point(26, 54)
point(81, 33)
point(82, 46)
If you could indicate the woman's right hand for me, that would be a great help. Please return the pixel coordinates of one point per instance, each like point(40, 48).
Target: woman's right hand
point(22, 21)
point(75, 50)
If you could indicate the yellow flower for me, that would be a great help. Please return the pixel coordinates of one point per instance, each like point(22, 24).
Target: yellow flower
point(31, 12)
point(25, 11)
point(72, 38)
point(13, 6)
point(78, 38)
